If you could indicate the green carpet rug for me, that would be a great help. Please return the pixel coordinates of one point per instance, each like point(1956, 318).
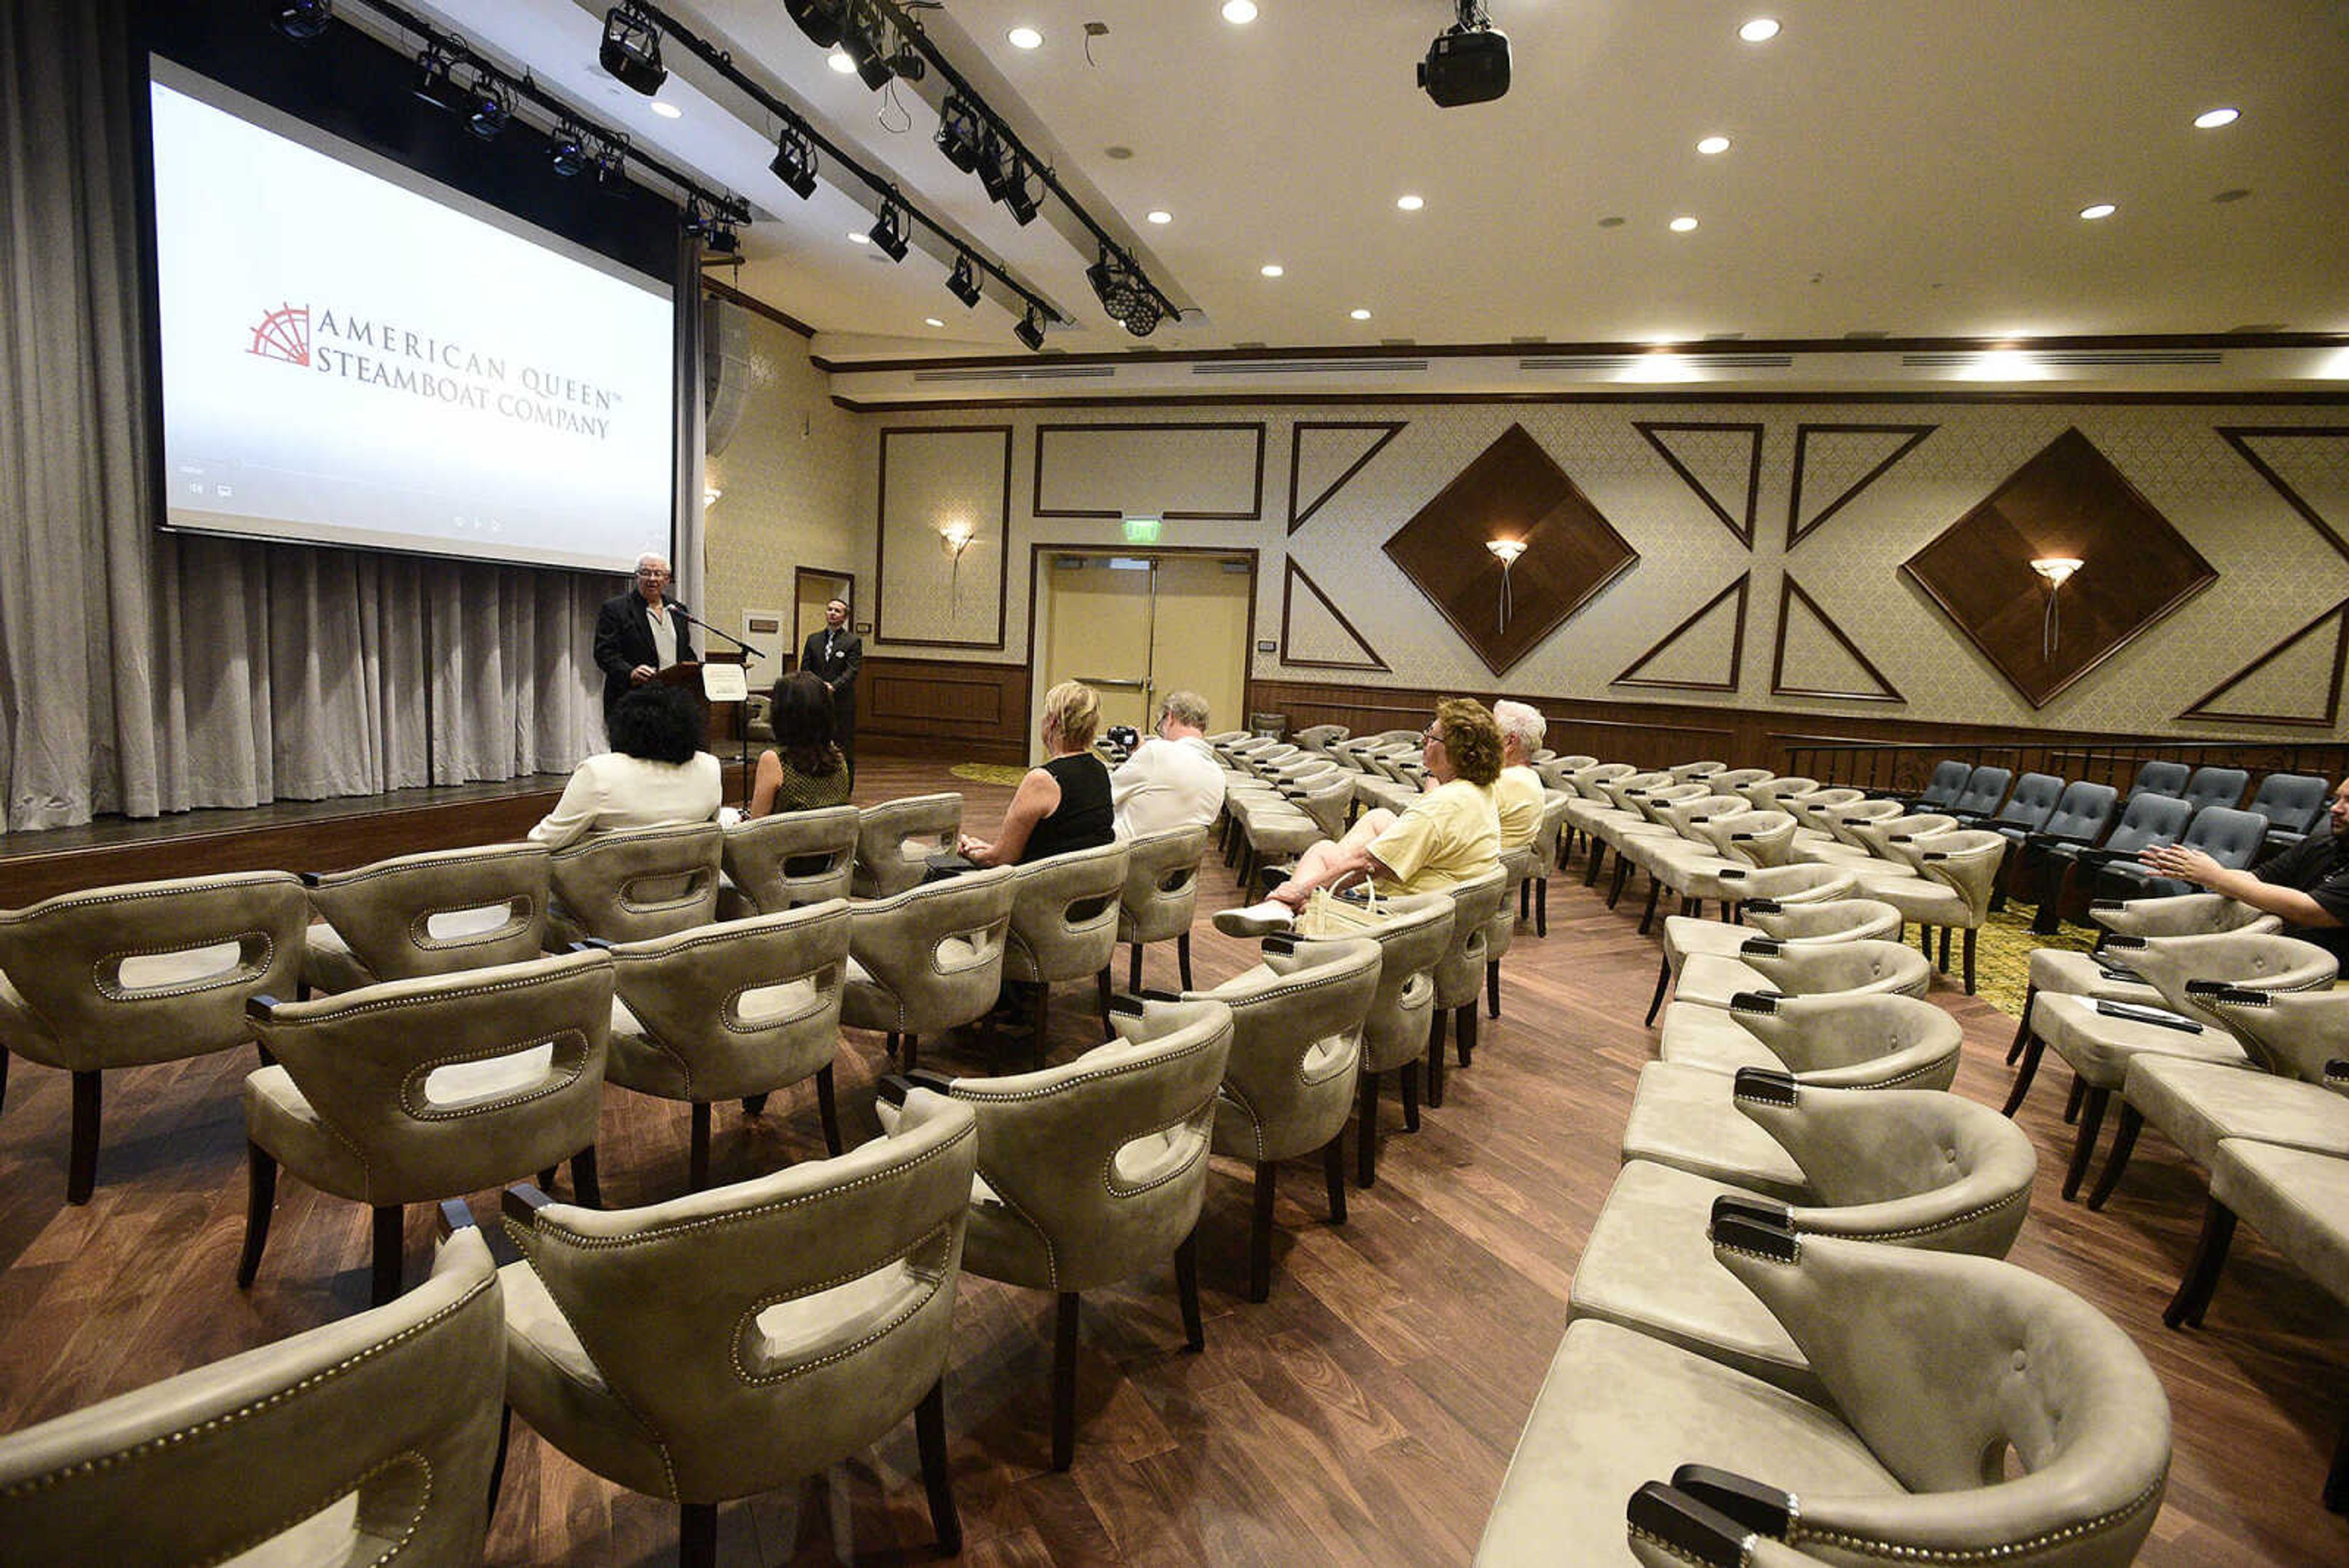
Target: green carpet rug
point(988, 772)
point(2002, 955)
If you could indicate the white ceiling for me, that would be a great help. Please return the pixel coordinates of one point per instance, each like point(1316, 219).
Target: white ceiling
point(1913, 168)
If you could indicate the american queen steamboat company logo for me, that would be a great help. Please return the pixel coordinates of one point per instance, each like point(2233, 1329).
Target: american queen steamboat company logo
point(383, 354)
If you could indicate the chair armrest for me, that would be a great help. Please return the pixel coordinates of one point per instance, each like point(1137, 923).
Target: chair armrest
point(1691, 1530)
point(1745, 1206)
point(1765, 1085)
point(1762, 947)
point(1748, 1501)
point(456, 1215)
point(260, 1006)
point(1763, 906)
point(1764, 1003)
point(895, 1087)
point(1744, 1233)
point(521, 1203)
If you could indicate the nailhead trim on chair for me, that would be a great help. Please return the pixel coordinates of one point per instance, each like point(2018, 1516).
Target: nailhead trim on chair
point(237, 975)
point(562, 1077)
point(1796, 1536)
point(2009, 1202)
point(880, 1331)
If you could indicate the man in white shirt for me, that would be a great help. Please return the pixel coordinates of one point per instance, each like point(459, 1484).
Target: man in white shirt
point(1172, 780)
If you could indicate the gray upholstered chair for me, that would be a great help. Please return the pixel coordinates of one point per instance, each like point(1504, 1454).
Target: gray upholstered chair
point(147, 971)
point(1414, 932)
point(1829, 920)
point(816, 1319)
point(425, 914)
point(733, 1011)
point(1956, 873)
point(1460, 976)
point(1093, 1171)
point(1907, 1167)
point(1943, 1372)
point(391, 1413)
point(1297, 1050)
point(1547, 844)
point(2105, 975)
point(1799, 968)
point(633, 884)
point(895, 839)
point(420, 1090)
point(1161, 896)
point(1064, 915)
point(783, 861)
point(1501, 930)
point(928, 960)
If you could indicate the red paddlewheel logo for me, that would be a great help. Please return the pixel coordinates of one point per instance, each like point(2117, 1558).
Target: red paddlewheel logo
point(283, 334)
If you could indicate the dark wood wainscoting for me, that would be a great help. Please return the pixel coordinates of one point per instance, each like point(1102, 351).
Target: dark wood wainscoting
point(942, 708)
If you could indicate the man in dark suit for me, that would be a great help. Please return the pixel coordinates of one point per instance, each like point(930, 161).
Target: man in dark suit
point(834, 655)
point(639, 634)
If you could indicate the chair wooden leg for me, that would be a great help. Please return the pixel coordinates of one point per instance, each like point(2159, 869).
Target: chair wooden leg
point(1541, 906)
point(1064, 1382)
point(1409, 1075)
point(1943, 962)
point(260, 1201)
point(2022, 1028)
point(1622, 875)
point(1493, 986)
point(584, 1189)
point(1366, 1139)
point(1043, 1011)
point(889, 1044)
point(828, 1107)
point(930, 1437)
point(696, 1161)
point(1134, 971)
point(1925, 939)
point(1261, 1233)
point(1663, 978)
point(1648, 914)
point(546, 1179)
point(1102, 987)
point(81, 1156)
point(907, 1048)
point(1333, 1175)
point(498, 1460)
point(2072, 1105)
point(1182, 957)
point(2194, 1291)
point(1437, 1019)
point(1970, 933)
point(754, 1104)
point(2124, 1144)
point(1590, 866)
point(2336, 1479)
point(4, 1079)
point(1464, 1030)
point(1186, 1292)
point(390, 1240)
point(2033, 1048)
point(2084, 1147)
point(1525, 898)
point(697, 1535)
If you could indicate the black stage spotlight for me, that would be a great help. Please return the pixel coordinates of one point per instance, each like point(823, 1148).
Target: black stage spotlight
point(1018, 199)
point(888, 231)
point(488, 108)
point(1113, 285)
point(819, 19)
point(794, 163)
point(631, 50)
point(716, 235)
point(1468, 62)
point(611, 161)
point(996, 163)
point(963, 282)
point(1144, 317)
point(959, 133)
point(567, 148)
point(433, 85)
point(864, 40)
point(1031, 329)
point(303, 20)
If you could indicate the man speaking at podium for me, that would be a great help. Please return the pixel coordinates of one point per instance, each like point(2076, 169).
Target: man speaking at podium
point(639, 634)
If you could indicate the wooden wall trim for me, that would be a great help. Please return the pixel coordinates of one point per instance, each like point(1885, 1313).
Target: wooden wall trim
point(1797, 529)
point(1740, 528)
point(1296, 574)
point(1632, 676)
point(938, 707)
point(1037, 509)
point(881, 539)
point(2240, 436)
point(1390, 428)
point(2201, 710)
point(1685, 397)
point(1789, 593)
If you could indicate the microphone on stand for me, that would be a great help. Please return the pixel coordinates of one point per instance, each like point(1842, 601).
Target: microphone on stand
point(742, 728)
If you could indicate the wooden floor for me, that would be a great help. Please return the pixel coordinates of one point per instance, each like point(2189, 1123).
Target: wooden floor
point(1364, 1416)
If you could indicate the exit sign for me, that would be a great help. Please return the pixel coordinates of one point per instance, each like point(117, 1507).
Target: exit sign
point(1142, 530)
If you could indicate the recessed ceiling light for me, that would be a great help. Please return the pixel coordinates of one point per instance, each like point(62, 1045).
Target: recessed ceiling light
point(1360, 315)
point(2096, 210)
point(932, 321)
point(1025, 37)
point(1712, 144)
point(1271, 269)
point(1760, 30)
point(667, 111)
point(839, 61)
point(1239, 13)
point(1159, 215)
point(2212, 119)
point(1683, 225)
point(859, 237)
point(1411, 204)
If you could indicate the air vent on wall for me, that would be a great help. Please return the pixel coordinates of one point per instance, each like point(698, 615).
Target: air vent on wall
point(1025, 373)
point(1948, 361)
point(1304, 366)
point(1624, 362)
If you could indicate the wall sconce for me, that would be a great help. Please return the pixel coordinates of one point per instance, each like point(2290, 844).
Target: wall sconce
point(2057, 570)
point(1507, 551)
point(954, 537)
point(709, 495)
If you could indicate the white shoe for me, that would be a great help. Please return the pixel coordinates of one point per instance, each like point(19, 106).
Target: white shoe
point(1257, 920)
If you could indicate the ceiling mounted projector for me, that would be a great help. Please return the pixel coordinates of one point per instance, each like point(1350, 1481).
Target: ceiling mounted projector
point(1468, 62)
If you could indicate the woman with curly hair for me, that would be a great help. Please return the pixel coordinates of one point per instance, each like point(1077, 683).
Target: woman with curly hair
point(1449, 835)
point(655, 773)
point(806, 770)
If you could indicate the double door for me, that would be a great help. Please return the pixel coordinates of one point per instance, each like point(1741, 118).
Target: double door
point(1136, 626)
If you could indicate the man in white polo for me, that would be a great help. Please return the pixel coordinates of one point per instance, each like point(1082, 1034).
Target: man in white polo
point(1172, 780)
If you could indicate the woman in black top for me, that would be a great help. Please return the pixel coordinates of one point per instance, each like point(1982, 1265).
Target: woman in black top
point(1063, 804)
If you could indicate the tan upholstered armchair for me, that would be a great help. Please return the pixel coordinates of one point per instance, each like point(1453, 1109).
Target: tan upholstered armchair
point(817, 1319)
point(1907, 1168)
point(2106, 977)
point(419, 1090)
point(1833, 920)
point(395, 1409)
point(1956, 874)
point(1501, 929)
point(149, 971)
point(1547, 846)
point(1065, 911)
point(780, 862)
point(895, 839)
point(928, 960)
point(1460, 975)
point(1161, 896)
point(1093, 1171)
point(1977, 1414)
point(425, 914)
point(1413, 932)
point(1800, 968)
point(639, 883)
point(1297, 1047)
point(732, 1010)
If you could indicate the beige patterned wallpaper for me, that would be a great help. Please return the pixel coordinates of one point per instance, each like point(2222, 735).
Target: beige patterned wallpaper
point(2277, 573)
